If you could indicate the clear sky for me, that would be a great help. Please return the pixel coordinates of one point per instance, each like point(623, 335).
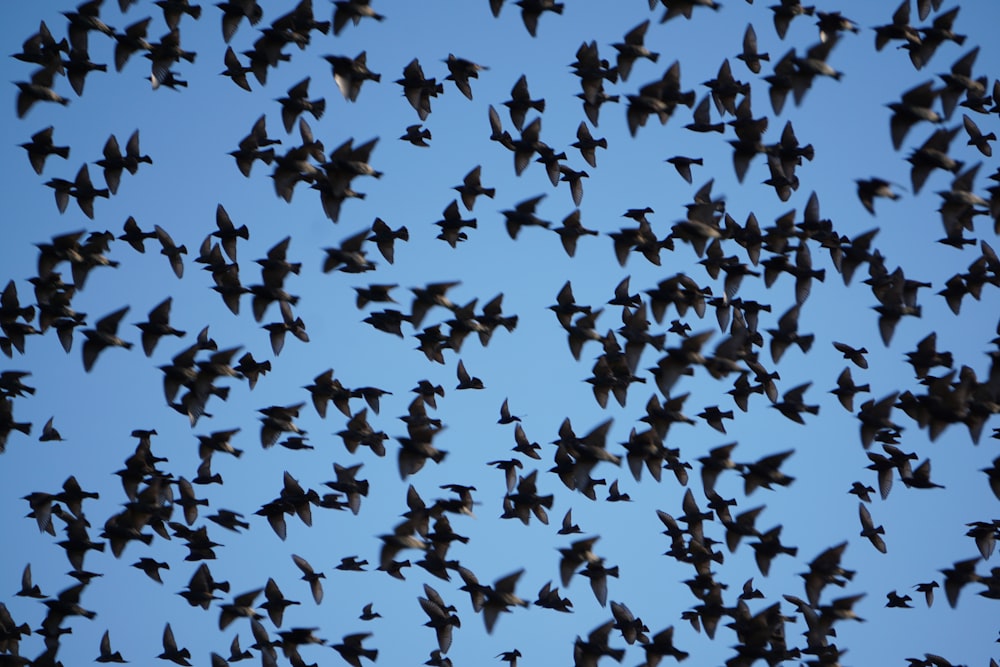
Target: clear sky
point(188, 133)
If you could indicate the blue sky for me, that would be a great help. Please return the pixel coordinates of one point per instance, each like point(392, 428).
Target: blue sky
point(189, 133)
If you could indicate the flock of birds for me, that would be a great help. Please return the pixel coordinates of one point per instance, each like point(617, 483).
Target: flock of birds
point(741, 355)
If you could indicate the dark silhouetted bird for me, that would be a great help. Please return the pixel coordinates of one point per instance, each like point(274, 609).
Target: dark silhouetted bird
point(41, 147)
point(39, 89)
point(170, 650)
point(418, 89)
point(354, 11)
point(107, 655)
point(103, 336)
point(350, 74)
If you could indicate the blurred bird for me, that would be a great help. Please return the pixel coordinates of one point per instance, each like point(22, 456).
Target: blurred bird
point(418, 89)
point(103, 336)
point(107, 655)
point(41, 147)
point(297, 101)
point(750, 56)
point(170, 650)
point(531, 10)
point(632, 49)
point(354, 11)
point(869, 530)
point(350, 74)
point(520, 103)
point(39, 89)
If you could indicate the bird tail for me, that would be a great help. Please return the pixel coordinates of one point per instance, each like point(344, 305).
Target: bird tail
point(318, 108)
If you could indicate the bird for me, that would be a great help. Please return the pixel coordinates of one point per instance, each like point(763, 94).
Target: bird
point(632, 49)
point(29, 589)
point(41, 147)
point(505, 415)
point(928, 590)
point(854, 355)
point(466, 381)
point(977, 138)
point(297, 102)
point(452, 224)
point(170, 650)
point(587, 652)
point(82, 189)
point(151, 567)
point(228, 233)
point(862, 491)
point(49, 432)
point(460, 71)
point(792, 403)
point(103, 336)
point(418, 89)
point(171, 250)
point(353, 11)
point(683, 165)
point(587, 144)
point(367, 614)
point(531, 10)
point(417, 135)
point(765, 472)
point(233, 13)
point(915, 106)
point(107, 655)
point(750, 56)
point(39, 89)
point(350, 74)
point(441, 616)
point(351, 649)
point(520, 103)
point(870, 530)
point(158, 326)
